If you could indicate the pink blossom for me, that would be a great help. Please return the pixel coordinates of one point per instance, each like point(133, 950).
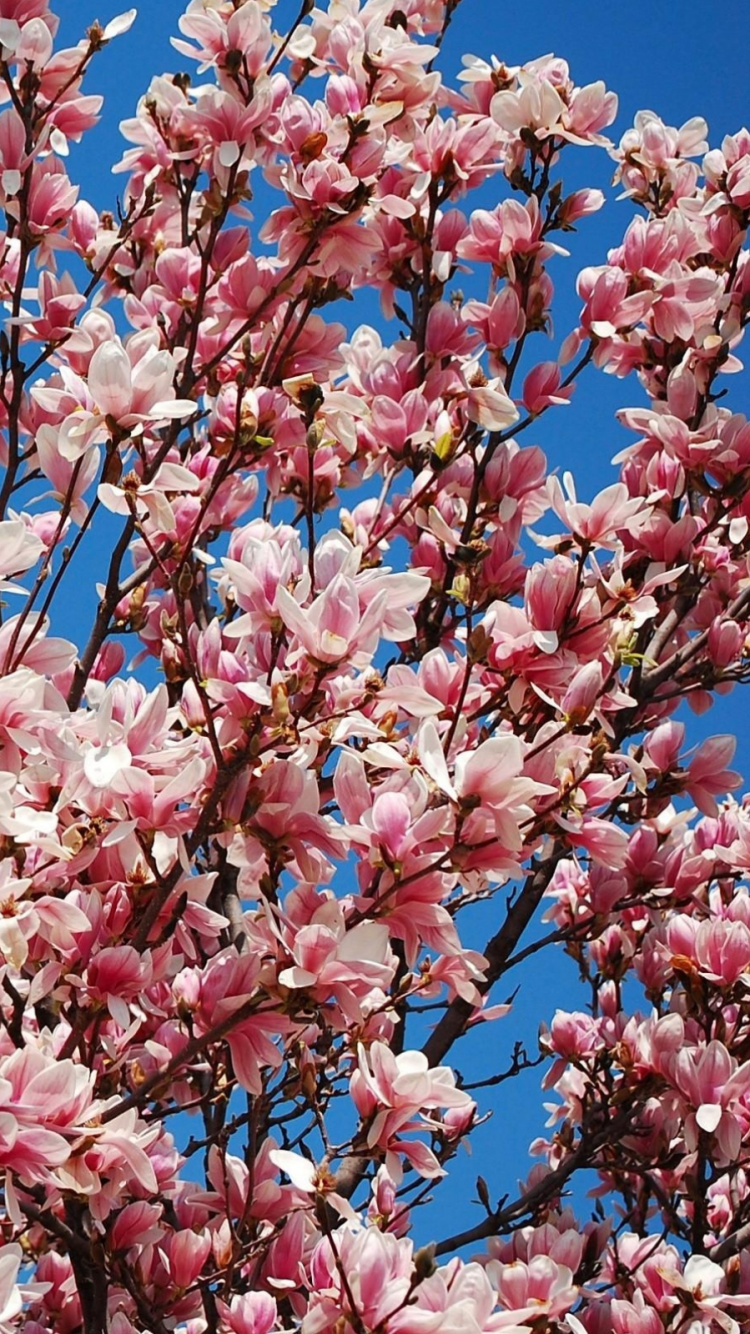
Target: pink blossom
point(250, 1313)
point(707, 775)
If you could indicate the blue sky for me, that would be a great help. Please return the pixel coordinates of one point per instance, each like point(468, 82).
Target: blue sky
point(671, 56)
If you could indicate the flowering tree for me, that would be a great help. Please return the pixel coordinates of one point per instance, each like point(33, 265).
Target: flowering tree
point(233, 983)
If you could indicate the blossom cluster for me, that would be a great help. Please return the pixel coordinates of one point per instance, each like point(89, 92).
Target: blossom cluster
point(359, 661)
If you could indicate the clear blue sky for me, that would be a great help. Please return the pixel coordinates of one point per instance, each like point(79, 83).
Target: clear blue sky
point(677, 57)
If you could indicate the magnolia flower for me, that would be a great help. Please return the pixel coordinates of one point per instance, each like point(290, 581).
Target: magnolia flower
point(537, 106)
point(249, 1313)
point(311, 1180)
point(127, 387)
point(489, 406)
point(391, 1090)
point(704, 1284)
point(487, 782)
point(150, 498)
point(10, 1295)
point(597, 524)
point(20, 548)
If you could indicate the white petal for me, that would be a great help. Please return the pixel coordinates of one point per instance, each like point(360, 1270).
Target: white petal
point(546, 640)
point(101, 766)
point(77, 434)
point(384, 756)
point(119, 1010)
point(120, 24)
point(229, 153)
point(110, 379)
point(296, 978)
point(59, 142)
point(10, 34)
point(113, 498)
point(300, 1171)
point(489, 406)
point(700, 1272)
point(395, 206)
point(175, 477)
point(433, 760)
point(173, 407)
point(10, 1298)
point(13, 944)
point(119, 832)
point(708, 1116)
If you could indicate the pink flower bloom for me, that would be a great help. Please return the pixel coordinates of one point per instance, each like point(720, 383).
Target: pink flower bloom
point(187, 1252)
point(716, 1087)
point(250, 1313)
point(609, 307)
point(597, 524)
point(311, 1180)
point(11, 1294)
point(722, 951)
point(394, 1090)
point(129, 386)
point(707, 775)
point(529, 1290)
point(138, 1224)
point(332, 627)
point(346, 965)
point(541, 388)
point(230, 983)
point(489, 406)
point(20, 548)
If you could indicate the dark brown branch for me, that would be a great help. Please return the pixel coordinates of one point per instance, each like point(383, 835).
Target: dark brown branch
point(498, 951)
